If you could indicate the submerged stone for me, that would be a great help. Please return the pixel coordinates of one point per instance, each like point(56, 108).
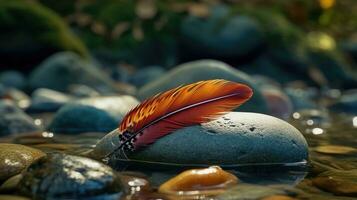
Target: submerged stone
point(339, 182)
point(15, 157)
point(237, 138)
point(204, 70)
point(60, 176)
point(253, 192)
point(207, 181)
point(347, 103)
point(13, 120)
point(97, 114)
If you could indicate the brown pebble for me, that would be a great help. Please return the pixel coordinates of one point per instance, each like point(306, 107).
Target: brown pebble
point(204, 180)
point(336, 149)
point(336, 185)
point(15, 157)
point(279, 197)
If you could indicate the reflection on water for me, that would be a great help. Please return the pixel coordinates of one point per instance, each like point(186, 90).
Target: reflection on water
point(332, 146)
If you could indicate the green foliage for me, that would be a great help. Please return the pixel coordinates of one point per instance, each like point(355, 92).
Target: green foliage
point(23, 22)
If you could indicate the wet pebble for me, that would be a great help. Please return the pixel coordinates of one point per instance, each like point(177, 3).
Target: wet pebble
point(47, 100)
point(336, 149)
point(254, 192)
point(347, 103)
point(96, 114)
point(338, 182)
point(13, 120)
point(204, 70)
point(208, 181)
point(21, 99)
point(14, 158)
point(60, 176)
point(234, 139)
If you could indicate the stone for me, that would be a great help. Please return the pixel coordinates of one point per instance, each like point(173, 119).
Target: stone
point(32, 32)
point(146, 75)
point(47, 100)
point(13, 120)
point(13, 79)
point(21, 99)
point(279, 103)
point(60, 176)
point(334, 67)
point(253, 192)
point(204, 70)
point(347, 103)
point(14, 158)
point(237, 138)
point(225, 36)
point(300, 98)
point(61, 70)
point(96, 114)
point(210, 181)
point(83, 91)
point(12, 197)
point(338, 182)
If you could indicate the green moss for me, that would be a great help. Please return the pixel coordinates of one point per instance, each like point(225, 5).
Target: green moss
point(25, 23)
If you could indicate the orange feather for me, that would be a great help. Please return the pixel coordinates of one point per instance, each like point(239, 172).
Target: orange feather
point(180, 107)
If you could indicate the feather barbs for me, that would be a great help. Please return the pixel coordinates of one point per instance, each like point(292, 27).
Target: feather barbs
point(180, 107)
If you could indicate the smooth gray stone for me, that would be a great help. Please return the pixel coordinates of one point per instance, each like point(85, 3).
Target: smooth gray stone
point(13, 79)
point(47, 100)
point(96, 114)
point(347, 103)
point(146, 75)
point(60, 176)
point(13, 120)
point(63, 69)
point(205, 70)
point(237, 138)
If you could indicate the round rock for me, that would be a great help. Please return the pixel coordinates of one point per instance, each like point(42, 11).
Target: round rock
point(97, 114)
point(237, 138)
point(14, 158)
point(60, 176)
point(46, 100)
point(13, 79)
point(204, 70)
point(146, 75)
point(63, 69)
point(13, 120)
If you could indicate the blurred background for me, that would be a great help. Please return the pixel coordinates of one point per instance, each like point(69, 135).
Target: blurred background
point(310, 40)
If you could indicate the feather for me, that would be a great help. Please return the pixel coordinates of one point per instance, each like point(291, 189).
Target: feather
point(177, 108)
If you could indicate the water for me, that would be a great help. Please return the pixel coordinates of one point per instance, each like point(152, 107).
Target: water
point(332, 146)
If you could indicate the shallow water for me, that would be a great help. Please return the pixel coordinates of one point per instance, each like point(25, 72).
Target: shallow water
point(332, 146)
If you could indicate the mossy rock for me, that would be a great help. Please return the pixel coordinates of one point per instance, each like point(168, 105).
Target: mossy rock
point(32, 32)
